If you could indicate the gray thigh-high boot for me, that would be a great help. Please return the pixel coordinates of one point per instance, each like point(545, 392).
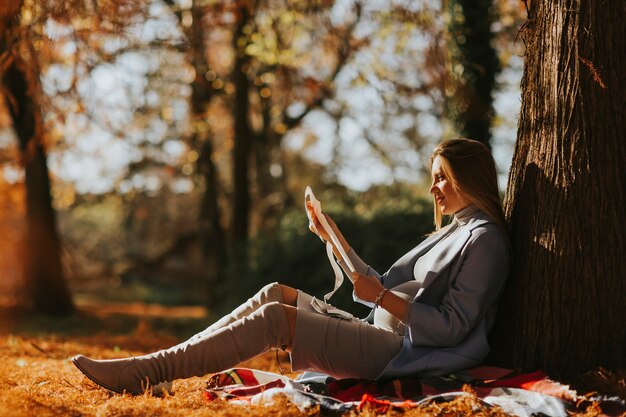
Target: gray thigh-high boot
point(224, 348)
point(268, 294)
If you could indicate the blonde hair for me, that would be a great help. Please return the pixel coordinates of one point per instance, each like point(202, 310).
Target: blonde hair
point(470, 167)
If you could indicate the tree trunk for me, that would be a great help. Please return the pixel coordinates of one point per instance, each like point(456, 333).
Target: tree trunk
point(242, 137)
point(564, 306)
point(271, 193)
point(45, 284)
point(213, 239)
point(474, 65)
point(212, 236)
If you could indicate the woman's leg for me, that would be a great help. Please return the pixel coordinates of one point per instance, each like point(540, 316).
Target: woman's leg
point(341, 348)
point(270, 326)
point(270, 293)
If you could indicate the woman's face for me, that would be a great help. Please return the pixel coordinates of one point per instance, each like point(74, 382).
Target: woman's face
point(443, 192)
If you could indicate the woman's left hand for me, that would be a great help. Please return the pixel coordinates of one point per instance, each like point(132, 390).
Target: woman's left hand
point(366, 288)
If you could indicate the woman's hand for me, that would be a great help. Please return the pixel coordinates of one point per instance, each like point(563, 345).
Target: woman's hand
point(366, 288)
point(316, 227)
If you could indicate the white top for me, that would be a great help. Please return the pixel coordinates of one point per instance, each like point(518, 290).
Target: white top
point(424, 263)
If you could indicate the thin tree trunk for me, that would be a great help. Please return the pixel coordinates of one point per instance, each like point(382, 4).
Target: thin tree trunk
point(242, 137)
point(271, 194)
point(564, 307)
point(45, 283)
point(212, 236)
point(474, 65)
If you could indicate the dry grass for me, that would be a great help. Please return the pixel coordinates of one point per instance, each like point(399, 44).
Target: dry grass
point(38, 378)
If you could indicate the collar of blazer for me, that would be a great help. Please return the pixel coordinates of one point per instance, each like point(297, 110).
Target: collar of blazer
point(451, 248)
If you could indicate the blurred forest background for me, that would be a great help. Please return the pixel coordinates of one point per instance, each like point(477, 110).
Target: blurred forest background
point(158, 150)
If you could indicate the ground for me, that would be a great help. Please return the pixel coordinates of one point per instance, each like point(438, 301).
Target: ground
point(38, 378)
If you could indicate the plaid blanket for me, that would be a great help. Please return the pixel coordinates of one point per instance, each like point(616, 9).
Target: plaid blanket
point(517, 394)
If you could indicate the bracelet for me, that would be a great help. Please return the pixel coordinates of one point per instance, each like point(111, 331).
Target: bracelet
point(381, 295)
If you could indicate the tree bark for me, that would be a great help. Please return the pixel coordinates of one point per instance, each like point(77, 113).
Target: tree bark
point(474, 65)
point(564, 306)
point(43, 270)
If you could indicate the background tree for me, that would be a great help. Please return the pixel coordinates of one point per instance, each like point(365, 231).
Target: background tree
point(30, 30)
point(563, 309)
point(474, 65)
point(19, 72)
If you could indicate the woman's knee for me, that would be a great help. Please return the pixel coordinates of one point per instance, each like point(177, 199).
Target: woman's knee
point(279, 292)
point(270, 293)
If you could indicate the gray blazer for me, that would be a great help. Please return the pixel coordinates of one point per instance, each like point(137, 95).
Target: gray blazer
point(449, 318)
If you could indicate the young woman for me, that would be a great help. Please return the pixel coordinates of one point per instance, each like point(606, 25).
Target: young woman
point(431, 312)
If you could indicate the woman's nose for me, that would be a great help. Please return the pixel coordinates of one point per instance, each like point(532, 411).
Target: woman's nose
point(432, 189)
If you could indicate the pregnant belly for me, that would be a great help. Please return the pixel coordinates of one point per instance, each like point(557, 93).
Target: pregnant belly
point(384, 320)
